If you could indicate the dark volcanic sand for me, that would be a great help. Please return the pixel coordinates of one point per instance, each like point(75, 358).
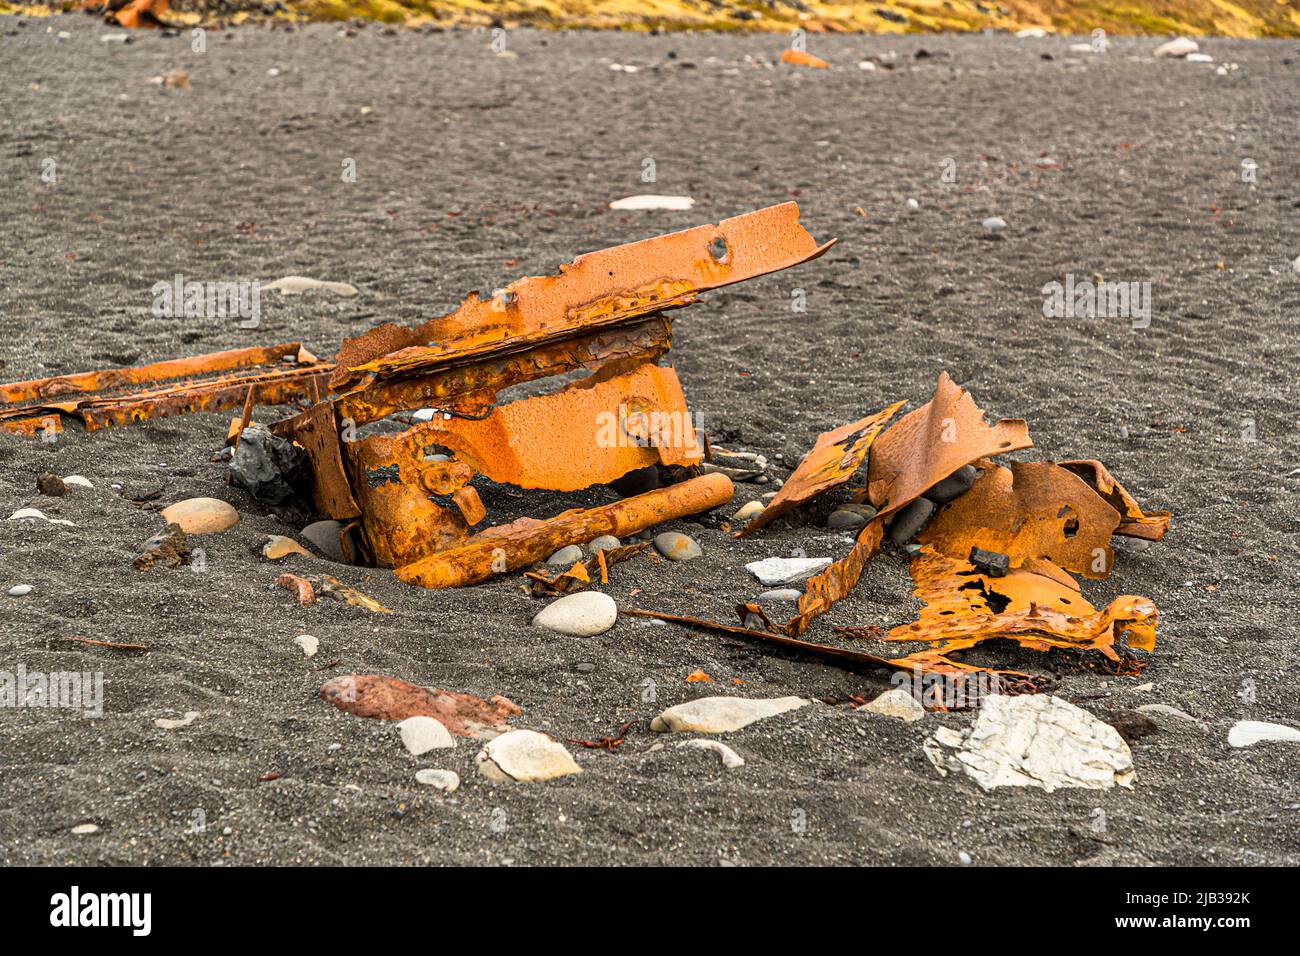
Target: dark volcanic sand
point(475, 169)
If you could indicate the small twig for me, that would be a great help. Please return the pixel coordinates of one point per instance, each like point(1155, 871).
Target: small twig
point(113, 644)
point(321, 667)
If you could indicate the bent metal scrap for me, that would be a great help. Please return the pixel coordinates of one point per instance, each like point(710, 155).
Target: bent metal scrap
point(995, 562)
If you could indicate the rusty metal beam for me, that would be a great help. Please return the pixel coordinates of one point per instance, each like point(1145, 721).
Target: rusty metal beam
point(597, 289)
point(220, 380)
point(523, 542)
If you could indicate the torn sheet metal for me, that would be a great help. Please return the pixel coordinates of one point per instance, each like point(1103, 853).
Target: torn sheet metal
point(963, 607)
point(834, 459)
point(1030, 510)
point(1134, 523)
point(583, 435)
point(597, 289)
point(470, 386)
point(927, 445)
point(276, 375)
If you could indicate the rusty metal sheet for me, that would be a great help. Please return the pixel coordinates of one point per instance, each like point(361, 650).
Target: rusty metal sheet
point(963, 608)
point(214, 382)
point(927, 445)
point(527, 540)
point(600, 288)
point(470, 385)
point(1030, 510)
point(572, 439)
point(834, 459)
point(1134, 523)
point(594, 431)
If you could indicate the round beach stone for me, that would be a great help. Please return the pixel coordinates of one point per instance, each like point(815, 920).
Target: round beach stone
point(676, 546)
point(583, 614)
point(525, 756)
point(201, 515)
point(566, 557)
point(606, 542)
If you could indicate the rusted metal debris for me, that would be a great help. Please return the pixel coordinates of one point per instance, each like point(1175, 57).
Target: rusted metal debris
point(594, 570)
point(413, 497)
point(995, 562)
point(606, 313)
point(273, 375)
point(834, 459)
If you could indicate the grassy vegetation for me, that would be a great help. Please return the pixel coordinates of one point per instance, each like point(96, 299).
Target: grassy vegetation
point(1242, 18)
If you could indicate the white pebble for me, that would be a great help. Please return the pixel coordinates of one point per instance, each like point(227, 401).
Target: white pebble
point(172, 723)
point(583, 614)
point(445, 780)
point(20, 590)
point(730, 759)
point(308, 644)
point(420, 734)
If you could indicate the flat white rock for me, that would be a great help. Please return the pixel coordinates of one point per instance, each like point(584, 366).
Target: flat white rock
point(994, 224)
point(172, 723)
point(525, 756)
point(730, 759)
point(1031, 33)
point(1199, 58)
point(1247, 732)
point(1179, 46)
point(420, 734)
point(1165, 710)
point(445, 780)
point(653, 202)
point(296, 285)
point(1035, 741)
point(78, 480)
point(20, 590)
point(720, 715)
point(897, 703)
point(772, 571)
point(748, 510)
point(309, 644)
point(82, 829)
point(36, 514)
point(583, 614)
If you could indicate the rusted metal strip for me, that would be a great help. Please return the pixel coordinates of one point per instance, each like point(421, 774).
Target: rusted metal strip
point(596, 289)
point(834, 459)
point(526, 541)
point(471, 385)
point(927, 445)
point(275, 375)
point(1134, 523)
